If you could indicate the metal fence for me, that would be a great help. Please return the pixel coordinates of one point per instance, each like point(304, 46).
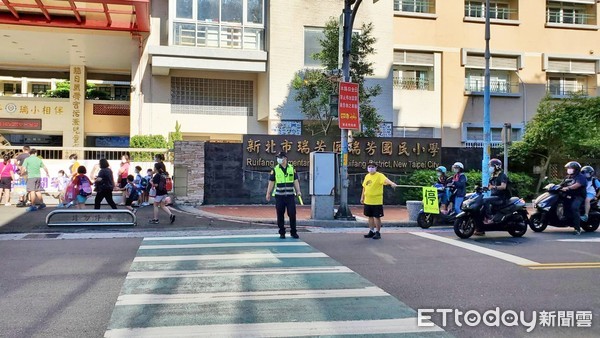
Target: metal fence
point(90, 153)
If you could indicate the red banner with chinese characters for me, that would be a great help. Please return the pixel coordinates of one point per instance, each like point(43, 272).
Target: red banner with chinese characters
point(348, 113)
point(25, 124)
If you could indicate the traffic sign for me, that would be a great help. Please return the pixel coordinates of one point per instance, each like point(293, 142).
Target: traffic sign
point(349, 117)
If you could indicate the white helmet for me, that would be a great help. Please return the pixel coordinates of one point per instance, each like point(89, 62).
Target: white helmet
point(458, 165)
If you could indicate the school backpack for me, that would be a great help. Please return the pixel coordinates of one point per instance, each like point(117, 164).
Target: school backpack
point(86, 187)
point(134, 195)
point(162, 184)
point(143, 182)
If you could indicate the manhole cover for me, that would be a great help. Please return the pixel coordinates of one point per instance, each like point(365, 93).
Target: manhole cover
point(41, 236)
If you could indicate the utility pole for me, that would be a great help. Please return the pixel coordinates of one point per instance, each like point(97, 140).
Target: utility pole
point(487, 135)
point(343, 211)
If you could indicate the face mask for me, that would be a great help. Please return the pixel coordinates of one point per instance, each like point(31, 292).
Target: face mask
point(570, 171)
point(72, 161)
point(280, 160)
point(439, 174)
point(491, 170)
point(454, 170)
point(371, 169)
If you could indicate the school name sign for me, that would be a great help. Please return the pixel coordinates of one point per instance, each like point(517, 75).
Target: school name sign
point(390, 154)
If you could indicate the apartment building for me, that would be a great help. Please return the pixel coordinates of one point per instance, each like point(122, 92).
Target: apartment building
point(223, 68)
point(538, 48)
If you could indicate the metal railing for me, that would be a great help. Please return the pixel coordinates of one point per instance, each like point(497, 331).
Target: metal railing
point(91, 153)
point(200, 34)
point(496, 87)
point(411, 83)
point(415, 6)
point(567, 89)
point(478, 11)
point(574, 18)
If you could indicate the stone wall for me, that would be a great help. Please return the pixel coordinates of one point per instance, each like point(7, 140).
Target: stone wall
point(188, 172)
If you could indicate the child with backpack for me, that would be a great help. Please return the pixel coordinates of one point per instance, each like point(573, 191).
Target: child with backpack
point(592, 189)
point(159, 182)
point(83, 185)
point(132, 193)
point(146, 189)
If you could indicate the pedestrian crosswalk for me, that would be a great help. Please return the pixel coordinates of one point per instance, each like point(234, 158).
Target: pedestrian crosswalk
point(252, 286)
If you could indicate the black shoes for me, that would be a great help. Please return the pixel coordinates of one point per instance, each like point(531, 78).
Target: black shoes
point(370, 234)
point(153, 221)
point(282, 236)
point(377, 235)
point(295, 235)
point(172, 218)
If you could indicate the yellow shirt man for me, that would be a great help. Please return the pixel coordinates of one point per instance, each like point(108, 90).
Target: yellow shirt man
point(372, 198)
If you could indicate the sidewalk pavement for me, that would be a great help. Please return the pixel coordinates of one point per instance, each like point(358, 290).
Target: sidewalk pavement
point(396, 216)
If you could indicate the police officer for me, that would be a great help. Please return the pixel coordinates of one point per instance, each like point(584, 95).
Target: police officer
point(285, 180)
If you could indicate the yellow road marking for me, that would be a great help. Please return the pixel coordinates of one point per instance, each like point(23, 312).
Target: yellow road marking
point(556, 266)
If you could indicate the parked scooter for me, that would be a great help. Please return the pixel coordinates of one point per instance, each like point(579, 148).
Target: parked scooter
point(426, 220)
point(550, 210)
point(510, 216)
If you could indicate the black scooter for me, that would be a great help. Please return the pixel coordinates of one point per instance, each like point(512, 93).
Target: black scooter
point(510, 216)
point(426, 220)
point(550, 210)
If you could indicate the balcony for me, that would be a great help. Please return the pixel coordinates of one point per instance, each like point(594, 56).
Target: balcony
point(411, 83)
point(564, 90)
point(497, 88)
point(215, 35)
point(415, 8)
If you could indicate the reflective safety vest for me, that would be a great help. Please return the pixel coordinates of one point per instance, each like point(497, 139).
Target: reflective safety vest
point(284, 180)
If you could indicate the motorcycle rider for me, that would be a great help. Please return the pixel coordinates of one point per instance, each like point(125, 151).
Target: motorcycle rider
point(592, 188)
point(498, 186)
point(442, 180)
point(459, 184)
point(576, 191)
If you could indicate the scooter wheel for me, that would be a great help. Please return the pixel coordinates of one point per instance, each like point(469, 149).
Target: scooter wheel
point(590, 227)
point(425, 220)
point(464, 227)
point(536, 223)
point(519, 228)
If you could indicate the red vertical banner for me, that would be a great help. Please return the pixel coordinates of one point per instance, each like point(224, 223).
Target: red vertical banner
point(348, 113)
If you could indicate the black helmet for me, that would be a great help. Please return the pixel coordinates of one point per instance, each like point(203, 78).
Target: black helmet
point(587, 170)
point(573, 165)
point(496, 163)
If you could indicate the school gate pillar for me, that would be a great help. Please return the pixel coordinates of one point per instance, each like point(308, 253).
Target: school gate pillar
point(188, 172)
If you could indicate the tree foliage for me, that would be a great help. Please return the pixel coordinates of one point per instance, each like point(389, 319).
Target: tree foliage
point(63, 90)
point(314, 86)
point(561, 129)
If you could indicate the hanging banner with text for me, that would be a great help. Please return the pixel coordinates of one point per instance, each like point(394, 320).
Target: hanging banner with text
point(348, 114)
point(399, 155)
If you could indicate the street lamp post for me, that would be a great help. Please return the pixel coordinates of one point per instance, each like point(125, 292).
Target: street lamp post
point(487, 135)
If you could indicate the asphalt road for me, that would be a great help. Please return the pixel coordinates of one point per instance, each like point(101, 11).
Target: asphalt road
point(68, 288)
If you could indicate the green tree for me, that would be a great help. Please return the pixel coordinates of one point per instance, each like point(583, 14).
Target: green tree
point(63, 90)
point(175, 135)
point(313, 86)
point(567, 128)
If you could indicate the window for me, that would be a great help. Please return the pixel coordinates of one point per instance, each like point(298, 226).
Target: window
point(500, 82)
point(570, 13)
point(473, 134)
point(237, 24)
point(498, 10)
point(12, 88)
point(569, 76)
point(122, 93)
point(38, 89)
point(414, 132)
point(312, 45)
point(415, 6)
point(212, 96)
point(503, 78)
point(565, 85)
point(413, 70)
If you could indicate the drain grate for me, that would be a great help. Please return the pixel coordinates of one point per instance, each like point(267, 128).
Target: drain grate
point(41, 236)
